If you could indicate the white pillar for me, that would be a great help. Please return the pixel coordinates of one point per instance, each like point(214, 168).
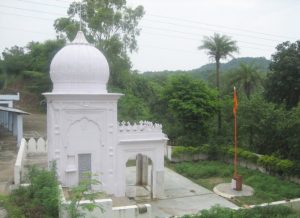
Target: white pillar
point(139, 169)
point(20, 129)
point(1, 118)
point(6, 120)
point(15, 124)
point(10, 121)
point(145, 170)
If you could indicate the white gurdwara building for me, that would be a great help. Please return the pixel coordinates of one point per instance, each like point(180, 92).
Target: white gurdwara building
point(82, 127)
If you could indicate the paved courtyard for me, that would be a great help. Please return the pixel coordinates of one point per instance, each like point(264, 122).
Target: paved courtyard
point(182, 196)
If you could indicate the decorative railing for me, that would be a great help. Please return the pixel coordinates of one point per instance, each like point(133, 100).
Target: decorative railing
point(142, 126)
point(30, 146)
point(38, 145)
point(143, 130)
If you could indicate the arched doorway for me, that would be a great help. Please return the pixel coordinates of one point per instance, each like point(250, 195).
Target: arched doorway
point(139, 178)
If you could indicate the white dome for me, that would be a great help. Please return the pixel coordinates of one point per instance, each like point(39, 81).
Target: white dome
point(78, 68)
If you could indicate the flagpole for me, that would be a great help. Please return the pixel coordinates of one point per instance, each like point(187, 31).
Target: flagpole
point(235, 147)
point(237, 179)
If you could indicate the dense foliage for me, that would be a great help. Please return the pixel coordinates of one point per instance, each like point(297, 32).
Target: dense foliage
point(39, 199)
point(188, 106)
point(257, 212)
point(283, 84)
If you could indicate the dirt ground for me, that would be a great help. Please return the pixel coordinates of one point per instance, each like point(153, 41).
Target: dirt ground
point(34, 125)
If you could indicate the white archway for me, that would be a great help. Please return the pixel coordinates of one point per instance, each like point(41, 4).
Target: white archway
point(153, 149)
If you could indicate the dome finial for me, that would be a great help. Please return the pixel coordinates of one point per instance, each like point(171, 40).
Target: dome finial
point(80, 38)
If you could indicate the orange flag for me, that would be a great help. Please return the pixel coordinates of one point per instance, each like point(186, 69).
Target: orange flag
point(235, 101)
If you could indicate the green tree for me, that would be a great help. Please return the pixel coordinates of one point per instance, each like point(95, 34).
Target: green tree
point(219, 47)
point(111, 26)
point(283, 84)
point(247, 78)
point(187, 107)
point(15, 60)
point(41, 54)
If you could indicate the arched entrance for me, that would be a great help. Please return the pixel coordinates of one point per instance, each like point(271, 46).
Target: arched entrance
point(139, 178)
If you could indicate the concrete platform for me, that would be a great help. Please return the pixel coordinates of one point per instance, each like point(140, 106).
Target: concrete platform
point(182, 196)
point(225, 190)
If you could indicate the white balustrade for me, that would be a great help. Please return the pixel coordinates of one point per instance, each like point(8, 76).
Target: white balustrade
point(36, 145)
point(32, 146)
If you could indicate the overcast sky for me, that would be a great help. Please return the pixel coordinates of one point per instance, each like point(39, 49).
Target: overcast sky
point(171, 29)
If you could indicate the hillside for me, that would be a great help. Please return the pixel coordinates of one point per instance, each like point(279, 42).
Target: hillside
point(204, 71)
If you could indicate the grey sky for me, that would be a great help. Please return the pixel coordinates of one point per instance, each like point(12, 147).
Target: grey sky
point(171, 29)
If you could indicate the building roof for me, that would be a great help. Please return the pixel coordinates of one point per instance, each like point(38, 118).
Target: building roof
point(13, 110)
point(79, 68)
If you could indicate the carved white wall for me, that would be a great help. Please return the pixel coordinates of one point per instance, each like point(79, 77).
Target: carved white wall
point(80, 124)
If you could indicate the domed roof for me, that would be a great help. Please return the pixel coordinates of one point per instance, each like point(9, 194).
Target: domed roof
point(79, 68)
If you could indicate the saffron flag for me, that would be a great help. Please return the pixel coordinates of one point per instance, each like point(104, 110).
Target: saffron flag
point(235, 101)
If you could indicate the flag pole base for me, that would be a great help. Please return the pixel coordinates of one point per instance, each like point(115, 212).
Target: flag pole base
point(237, 183)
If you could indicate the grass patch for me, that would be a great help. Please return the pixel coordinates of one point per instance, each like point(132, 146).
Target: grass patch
point(267, 188)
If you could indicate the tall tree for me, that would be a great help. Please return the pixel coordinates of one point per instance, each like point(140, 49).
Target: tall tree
point(283, 84)
point(218, 47)
point(111, 26)
point(187, 106)
point(247, 78)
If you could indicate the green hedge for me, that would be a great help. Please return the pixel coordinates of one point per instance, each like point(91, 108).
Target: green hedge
point(257, 212)
point(276, 165)
point(271, 163)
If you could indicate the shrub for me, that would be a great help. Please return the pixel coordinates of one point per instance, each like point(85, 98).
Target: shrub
point(257, 212)
point(285, 166)
point(41, 197)
point(185, 150)
point(83, 192)
point(276, 165)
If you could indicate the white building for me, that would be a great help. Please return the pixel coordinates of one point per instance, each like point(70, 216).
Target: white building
point(82, 128)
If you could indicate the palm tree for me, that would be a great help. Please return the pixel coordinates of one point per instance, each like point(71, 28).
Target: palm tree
point(247, 78)
point(219, 47)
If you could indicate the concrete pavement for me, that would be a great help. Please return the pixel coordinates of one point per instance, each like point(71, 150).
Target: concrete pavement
point(182, 196)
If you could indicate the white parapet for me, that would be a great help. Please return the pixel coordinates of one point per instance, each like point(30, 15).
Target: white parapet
point(36, 146)
point(144, 130)
point(18, 168)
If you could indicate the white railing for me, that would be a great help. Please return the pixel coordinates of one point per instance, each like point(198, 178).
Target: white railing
point(144, 130)
point(35, 146)
point(31, 146)
point(18, 169)
point(141, 127)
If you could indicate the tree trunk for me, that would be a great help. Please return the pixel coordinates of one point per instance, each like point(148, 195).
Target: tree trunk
point(218, 74)
point(219, 96)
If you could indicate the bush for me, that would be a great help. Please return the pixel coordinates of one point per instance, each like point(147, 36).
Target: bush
point(178, 151)
point(276, 165)
point(285, 166)
point(257, 212)
point(41, 197)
